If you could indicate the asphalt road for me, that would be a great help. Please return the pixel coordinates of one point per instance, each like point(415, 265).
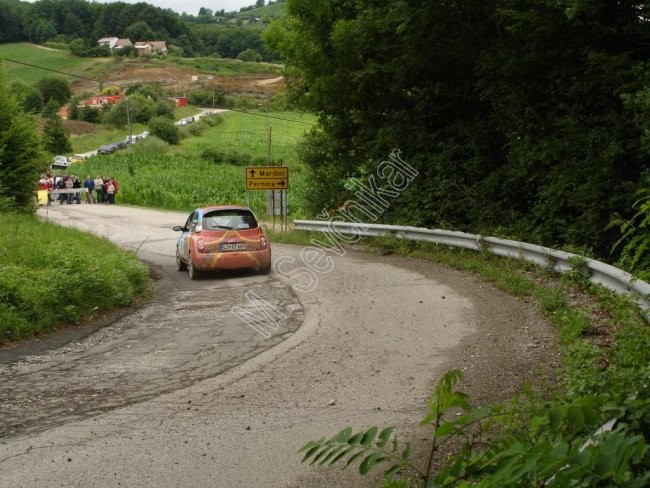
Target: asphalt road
point(182, 393)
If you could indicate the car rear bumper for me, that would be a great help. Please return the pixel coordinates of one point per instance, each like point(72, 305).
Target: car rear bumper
point(232, 260)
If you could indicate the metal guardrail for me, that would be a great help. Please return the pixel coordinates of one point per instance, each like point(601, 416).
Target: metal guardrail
point(603, 274)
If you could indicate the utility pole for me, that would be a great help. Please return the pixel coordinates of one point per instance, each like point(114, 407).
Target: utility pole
point(128, 120)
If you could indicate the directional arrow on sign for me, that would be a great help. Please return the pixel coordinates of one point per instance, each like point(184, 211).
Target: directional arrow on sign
point(252, 172)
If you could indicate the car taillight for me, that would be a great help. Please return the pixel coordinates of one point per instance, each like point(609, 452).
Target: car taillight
point(263, 242)
point(200, 245)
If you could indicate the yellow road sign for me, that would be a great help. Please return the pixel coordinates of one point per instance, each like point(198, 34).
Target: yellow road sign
point(267, 178)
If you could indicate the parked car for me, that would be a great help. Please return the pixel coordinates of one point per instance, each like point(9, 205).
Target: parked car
point(77, 158)
point(61, 162)
point(107, 149)
point(222, 237)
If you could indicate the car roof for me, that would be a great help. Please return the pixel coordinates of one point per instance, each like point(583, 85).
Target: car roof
point(224, 207)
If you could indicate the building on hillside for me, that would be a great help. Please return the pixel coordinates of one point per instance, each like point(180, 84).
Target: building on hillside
point(64, 112)
point(109, 42)
point(98, 101)
point(158, 47)
point(122, 43)
point(144, 48)
point(180, 101)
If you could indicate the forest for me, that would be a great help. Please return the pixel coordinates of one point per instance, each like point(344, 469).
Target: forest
point(525, 119)
point(220, 33)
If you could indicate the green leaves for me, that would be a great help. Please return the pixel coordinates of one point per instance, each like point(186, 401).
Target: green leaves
point(366, 447)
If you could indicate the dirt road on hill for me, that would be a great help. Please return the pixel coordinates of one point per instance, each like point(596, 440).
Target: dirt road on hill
point(182, 393)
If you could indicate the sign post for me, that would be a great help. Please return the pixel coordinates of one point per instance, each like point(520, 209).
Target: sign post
point(267, 178)
point(273, 178)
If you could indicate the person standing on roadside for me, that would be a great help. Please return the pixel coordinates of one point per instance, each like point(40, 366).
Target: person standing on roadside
point(89, 185)
point(76, 184)
point(99, 189)
point(110, 191)
point(117, 187)
point(67, 180)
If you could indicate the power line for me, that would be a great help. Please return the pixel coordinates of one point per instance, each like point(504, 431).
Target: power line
point(123, 85)
point(60, 72)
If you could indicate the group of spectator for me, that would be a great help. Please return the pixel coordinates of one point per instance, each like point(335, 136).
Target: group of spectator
point(101, 189)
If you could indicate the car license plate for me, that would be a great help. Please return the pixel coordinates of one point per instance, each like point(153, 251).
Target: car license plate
point(231, 246)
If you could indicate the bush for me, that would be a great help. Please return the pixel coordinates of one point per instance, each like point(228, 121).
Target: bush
point(150, 145)
point(164, 129)
point(212, 120)
point(206, 98)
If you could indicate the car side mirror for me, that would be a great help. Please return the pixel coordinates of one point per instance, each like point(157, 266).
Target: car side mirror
point(177, 228)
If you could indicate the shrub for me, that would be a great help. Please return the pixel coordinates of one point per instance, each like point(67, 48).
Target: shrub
point(164, 129)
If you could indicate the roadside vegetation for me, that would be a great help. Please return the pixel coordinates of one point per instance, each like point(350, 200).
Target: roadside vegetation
point(53, 277)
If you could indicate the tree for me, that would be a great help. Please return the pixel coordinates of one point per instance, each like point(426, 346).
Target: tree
point(512, 112)
point(78, 47)
point(56, 139)
point(89, 114)
point(33, 101)
point(183, 42)
point(54, 88)
point(22, 160)
point(10, 22)
point(164, 129)
point(50, 109)
point(140, 31)
point(40, 30)
point(259, 3)
point(250, 55)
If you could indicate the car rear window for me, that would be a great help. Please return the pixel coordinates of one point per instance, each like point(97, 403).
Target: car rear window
point(229, 219)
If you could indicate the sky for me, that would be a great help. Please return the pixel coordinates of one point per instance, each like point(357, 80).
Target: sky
point(192, 6)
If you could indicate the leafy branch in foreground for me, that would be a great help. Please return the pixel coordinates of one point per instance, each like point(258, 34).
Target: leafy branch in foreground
point(372, 447)
point(566, 443)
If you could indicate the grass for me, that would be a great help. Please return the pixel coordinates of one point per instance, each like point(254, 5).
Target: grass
point(100, 68)
point(51, 277)
point(248, 132)
point(273, 11)
point(182, 178)
point(104, 135)
point(52, 59)
point(222, 66)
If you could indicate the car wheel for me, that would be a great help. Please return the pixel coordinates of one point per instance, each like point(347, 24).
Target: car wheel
point(265, 269)
point(195, 274)
point(180, 264)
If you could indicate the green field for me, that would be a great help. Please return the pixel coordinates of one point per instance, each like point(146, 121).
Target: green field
point(249, 132)
point(181, 178)
point(274, 11)
point(222, 66)
point(99, 68)
point(52, 59)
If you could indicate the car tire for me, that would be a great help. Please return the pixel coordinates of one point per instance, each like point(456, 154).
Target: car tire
point(195, 274)
point(265, 269)
point(180, 264)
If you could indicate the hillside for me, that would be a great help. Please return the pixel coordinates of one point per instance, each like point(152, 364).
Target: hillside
point(273, 11)
point(50, 59)
point(180, 75)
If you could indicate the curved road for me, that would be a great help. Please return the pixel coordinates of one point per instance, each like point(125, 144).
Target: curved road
point(182, 392)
